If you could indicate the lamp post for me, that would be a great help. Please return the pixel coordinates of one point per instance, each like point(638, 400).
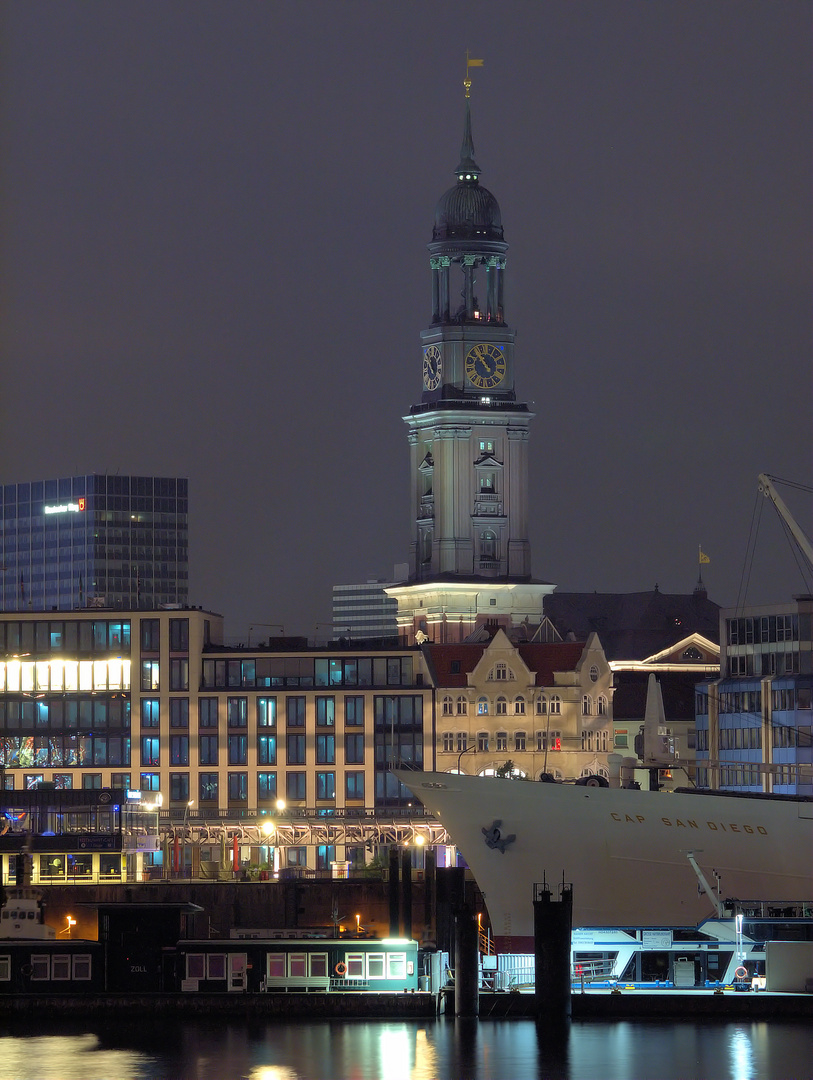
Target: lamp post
point(467, 750)
point(268, 832)
point(280, 808)
point(187, 808)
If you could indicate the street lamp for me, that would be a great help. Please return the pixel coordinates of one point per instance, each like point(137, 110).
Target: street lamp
point(467, 750)
point(268, 831)
point(187, 808)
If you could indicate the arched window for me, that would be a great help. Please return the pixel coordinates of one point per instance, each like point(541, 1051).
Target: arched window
point(519, 706)
point(541, 705)
point(555, 705)
point(587, 705)
point(448, 741)
point(500, 673)
point(447, 706)
point(488, 541)
point(482, 742)
point(502, 741)
point(519, 740)
point(602, 705)
point(593, 673)
point(426, 545)
point(462, 706)
point(502, 706)
point(482, 706)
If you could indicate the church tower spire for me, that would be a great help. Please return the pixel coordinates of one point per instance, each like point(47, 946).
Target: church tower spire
point(468, 436)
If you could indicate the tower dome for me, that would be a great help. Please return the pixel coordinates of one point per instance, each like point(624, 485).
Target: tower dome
point(467, 211)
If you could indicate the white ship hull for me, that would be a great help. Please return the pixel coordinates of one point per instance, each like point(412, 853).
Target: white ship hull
point(623, 851)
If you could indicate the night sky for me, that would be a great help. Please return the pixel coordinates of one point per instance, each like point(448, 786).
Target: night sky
point(214, 228)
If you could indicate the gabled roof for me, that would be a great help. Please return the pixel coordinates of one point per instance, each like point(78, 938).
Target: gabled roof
point(449, 665)
point(633, 626)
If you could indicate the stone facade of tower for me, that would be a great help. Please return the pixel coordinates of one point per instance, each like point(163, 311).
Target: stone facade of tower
point(468, 437)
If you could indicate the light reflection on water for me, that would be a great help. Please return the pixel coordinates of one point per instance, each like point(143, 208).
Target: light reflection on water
point(432, 1050)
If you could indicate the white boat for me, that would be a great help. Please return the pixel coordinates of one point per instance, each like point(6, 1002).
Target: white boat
point(22, 916)
point(633, 858)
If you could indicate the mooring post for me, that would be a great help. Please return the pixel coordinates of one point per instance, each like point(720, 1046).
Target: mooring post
point(466, 963)
point(552, 928)
point(395, 892)
point(406, 893)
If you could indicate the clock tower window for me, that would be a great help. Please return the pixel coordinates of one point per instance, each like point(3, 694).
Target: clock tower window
point(488, 545)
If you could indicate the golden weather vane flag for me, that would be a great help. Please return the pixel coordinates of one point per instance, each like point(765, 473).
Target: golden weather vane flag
point(701, 558)
point(470, 63)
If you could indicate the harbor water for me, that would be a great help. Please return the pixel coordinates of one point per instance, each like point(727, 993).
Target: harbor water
point(412, 1050)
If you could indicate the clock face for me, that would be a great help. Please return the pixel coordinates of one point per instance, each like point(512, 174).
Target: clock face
point(485, 366)
point(431, 367)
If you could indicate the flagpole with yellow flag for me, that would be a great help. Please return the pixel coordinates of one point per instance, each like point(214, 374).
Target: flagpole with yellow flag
point(470, 63)
point(701, 559)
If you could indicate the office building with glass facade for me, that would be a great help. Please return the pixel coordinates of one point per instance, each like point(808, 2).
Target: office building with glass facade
point(94, 541)
point(754, 724)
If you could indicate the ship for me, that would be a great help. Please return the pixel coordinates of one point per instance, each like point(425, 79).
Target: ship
point(632, 858)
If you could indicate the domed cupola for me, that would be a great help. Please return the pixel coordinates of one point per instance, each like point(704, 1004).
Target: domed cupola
point(467, 241)
point(467, 210)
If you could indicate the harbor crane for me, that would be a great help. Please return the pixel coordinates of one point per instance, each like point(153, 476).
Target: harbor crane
point(767, 487)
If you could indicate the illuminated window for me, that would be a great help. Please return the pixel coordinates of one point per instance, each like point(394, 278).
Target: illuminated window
point(326, 785)
point(266, 749)
point(266, 712)
point(354, 785)
point(325, 711)
point(266, 786)
point(238, 787)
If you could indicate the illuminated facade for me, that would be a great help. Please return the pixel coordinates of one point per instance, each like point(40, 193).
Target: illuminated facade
point(538, 707)
point(468, 436)
point(153, 701)
point(96, 540)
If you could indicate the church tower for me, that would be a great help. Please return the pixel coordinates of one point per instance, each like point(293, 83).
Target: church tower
point(468, 437)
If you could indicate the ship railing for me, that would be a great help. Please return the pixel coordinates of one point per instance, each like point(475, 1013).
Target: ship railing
point(587, 971)
point(769, 909)
point(486, 944)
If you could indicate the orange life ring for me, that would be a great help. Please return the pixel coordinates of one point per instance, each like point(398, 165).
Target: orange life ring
point(740, 973)
point(341, 968)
